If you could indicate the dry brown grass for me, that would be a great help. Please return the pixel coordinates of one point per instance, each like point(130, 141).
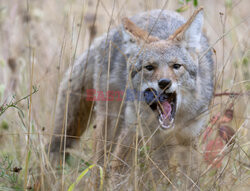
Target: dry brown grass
point(40, 39)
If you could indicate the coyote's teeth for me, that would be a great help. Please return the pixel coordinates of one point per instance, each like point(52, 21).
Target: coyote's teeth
point(165, 126)
point(161, 120)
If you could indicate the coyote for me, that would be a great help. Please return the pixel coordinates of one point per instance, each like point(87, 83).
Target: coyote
point(166, 63)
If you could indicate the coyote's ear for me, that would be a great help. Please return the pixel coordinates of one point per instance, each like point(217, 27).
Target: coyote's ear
point(191, 31)
point(136, 33)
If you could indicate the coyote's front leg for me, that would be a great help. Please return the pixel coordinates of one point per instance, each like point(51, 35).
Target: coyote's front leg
point(105, 141)
point(122, 159)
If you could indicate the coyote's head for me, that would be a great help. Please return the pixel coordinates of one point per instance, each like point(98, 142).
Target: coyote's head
point(165, 70)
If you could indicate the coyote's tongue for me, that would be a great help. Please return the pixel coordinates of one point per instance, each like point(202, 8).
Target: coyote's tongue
point(166, 111)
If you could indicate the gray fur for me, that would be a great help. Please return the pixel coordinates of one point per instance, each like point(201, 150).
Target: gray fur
point(194, 86)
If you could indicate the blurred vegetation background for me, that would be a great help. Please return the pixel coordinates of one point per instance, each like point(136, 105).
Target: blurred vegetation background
point(39, 39)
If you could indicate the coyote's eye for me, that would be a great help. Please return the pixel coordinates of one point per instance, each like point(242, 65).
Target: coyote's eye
point(176, 66)
point(149, 67)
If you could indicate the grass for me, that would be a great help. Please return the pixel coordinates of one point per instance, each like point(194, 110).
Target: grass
point(40, 40)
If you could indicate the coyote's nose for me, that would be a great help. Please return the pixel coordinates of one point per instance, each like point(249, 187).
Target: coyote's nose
point(164, 83)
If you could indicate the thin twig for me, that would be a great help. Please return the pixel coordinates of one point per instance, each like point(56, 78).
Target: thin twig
point(231, 94)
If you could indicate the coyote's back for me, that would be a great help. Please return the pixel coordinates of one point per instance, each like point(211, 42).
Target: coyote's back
point(153, 73)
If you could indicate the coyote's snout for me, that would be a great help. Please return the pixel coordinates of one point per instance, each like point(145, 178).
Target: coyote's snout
point(164, 59)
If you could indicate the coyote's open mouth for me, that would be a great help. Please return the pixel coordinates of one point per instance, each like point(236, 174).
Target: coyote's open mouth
point(165, 104)
point(166, 108)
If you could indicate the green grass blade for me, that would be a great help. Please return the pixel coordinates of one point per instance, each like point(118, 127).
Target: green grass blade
point(182, 9)
point(195, 3)
point(72, 186)
point(101, 177)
